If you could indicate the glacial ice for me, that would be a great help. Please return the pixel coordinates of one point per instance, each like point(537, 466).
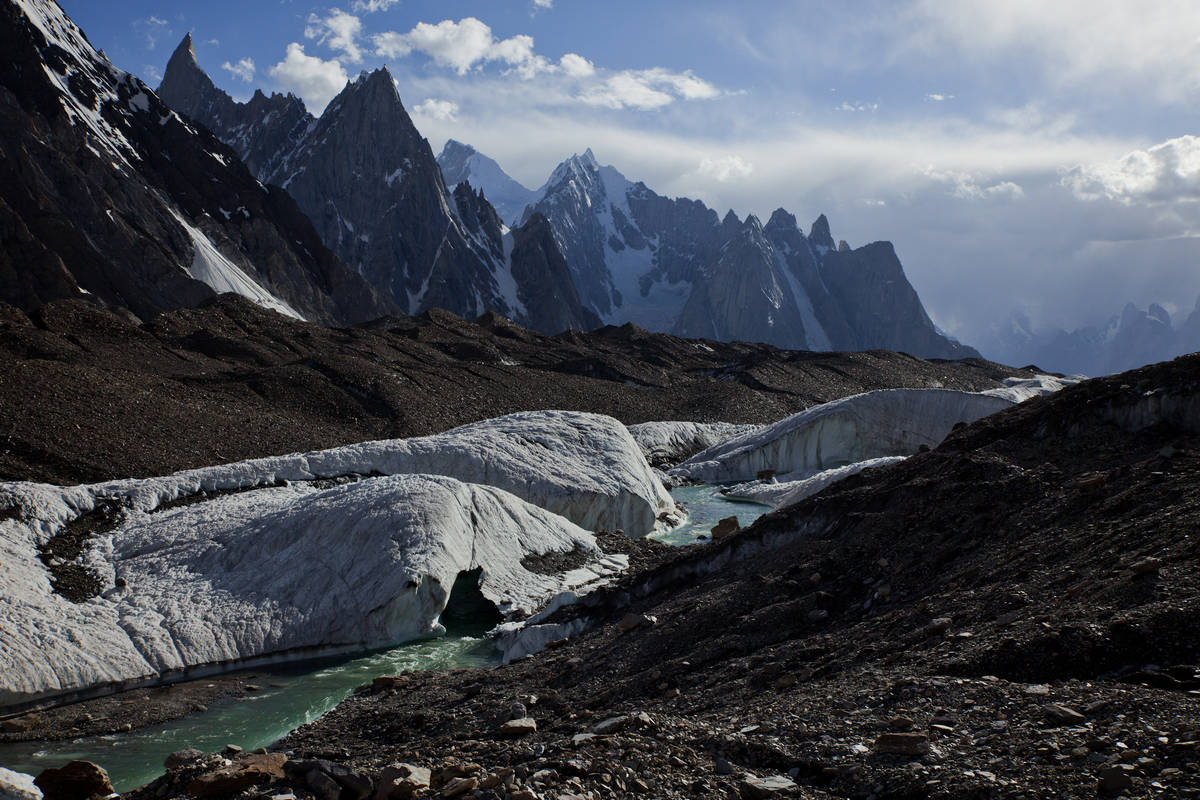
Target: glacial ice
point(274, 573)
point(586, 467)
point(792, 488)
point(670, 442)
point(887, 422)
point(290, 565)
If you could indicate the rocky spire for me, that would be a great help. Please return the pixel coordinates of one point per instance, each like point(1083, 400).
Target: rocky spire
point(820, 234)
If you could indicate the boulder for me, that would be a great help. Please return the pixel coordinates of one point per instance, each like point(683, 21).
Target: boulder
point(726, 527)
point(252, 770)
point(78, 780)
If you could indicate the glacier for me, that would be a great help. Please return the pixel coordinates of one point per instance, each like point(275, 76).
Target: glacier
point(794, 487)
point(272, 574)
point(886, 422)
point(671, 441)
point(281, 558)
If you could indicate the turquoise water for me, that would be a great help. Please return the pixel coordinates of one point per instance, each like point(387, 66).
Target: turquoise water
point(309, 689)
point(706, 507)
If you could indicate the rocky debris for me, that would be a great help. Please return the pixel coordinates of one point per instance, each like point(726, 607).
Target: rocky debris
point(295, 387)
point(906, 744)
point(18, 786)
point(246, 770)
point(78, 780)
point(182, 758)
point(725, 528)
point(753, 787)
point(401, 781)
point(1059, 714)
point(1115, 779)
point(632, 621)
point(516, 728)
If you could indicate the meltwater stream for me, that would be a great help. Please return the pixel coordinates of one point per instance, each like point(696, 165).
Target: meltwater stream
point(305, 691)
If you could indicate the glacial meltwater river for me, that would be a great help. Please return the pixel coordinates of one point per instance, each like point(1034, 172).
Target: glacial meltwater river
point(306, 690)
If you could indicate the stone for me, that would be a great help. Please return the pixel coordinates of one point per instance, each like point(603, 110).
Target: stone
point(765, 474)
point(384, 682)
point(1145, 566)
point(1114, 780)
point(633, 621)
point(901, 722)
point(323, 786)
point(818, 615)
point(232, 749)
point(76, 781)
point(725, 528)
point(459, 787)
point(524, 794)
point(517, 711)
point(938, 626)
point(904, 744)
point(1059, 714)
point(401, 781)
point(515, 728)
point(181, 758)
point(610, 725)
point(252, 770)
point(754, 788)
point(18, 786)
point(722, 766)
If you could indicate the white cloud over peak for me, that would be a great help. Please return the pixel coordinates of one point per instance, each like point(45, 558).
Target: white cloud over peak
point(1166, 173)
point(243, 70)
point(152, 29)
point(338, 30)
point(966, 186)
point(443, 110)
point(725, 168)
point(316, 80)
point(543, 3)
point(462, 46)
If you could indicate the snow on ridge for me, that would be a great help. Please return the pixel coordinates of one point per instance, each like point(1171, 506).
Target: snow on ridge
point(211, 267)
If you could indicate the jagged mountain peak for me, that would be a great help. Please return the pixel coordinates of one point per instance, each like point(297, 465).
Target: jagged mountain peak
point(781, 221)
point(454, 149)
point(186, 51)
point(820, 235)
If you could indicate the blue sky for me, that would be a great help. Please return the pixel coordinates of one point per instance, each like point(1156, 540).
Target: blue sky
point(1020, 158)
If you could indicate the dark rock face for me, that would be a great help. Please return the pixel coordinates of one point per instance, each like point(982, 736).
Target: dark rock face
point(375, 193)
point(673, 265)
point(105, 193)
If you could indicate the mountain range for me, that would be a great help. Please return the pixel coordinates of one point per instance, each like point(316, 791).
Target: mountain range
point(459, 233)
point(1127, 340)
point(147, 201)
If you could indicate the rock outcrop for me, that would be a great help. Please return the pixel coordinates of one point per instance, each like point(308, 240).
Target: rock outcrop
point(106, 194)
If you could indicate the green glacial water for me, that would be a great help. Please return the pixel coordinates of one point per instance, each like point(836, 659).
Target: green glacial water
point(309, 689)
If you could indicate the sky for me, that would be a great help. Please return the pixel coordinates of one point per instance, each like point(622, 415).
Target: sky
point(1022, 156)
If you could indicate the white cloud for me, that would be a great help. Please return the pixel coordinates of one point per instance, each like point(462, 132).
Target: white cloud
point(543, 4)
point(313, 78)
point(242, 70)
point(647, 89)
point(1166, 173)
point(1078, 43)
point(214, 42)
point(939, 98)
point(151, 72)
point(857, 106)
point(152, 29)
point(444, 110)
point(576, 66)
point(462, 46)
point(339, 30)
point(725, 168)
point(371, 6)
point(965, 186)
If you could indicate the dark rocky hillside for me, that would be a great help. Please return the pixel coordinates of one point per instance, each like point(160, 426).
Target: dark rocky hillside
point(1012, 614)
point(87, 394)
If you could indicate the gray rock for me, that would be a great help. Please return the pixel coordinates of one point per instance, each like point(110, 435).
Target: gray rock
point(754, 788)
point(18, 786)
